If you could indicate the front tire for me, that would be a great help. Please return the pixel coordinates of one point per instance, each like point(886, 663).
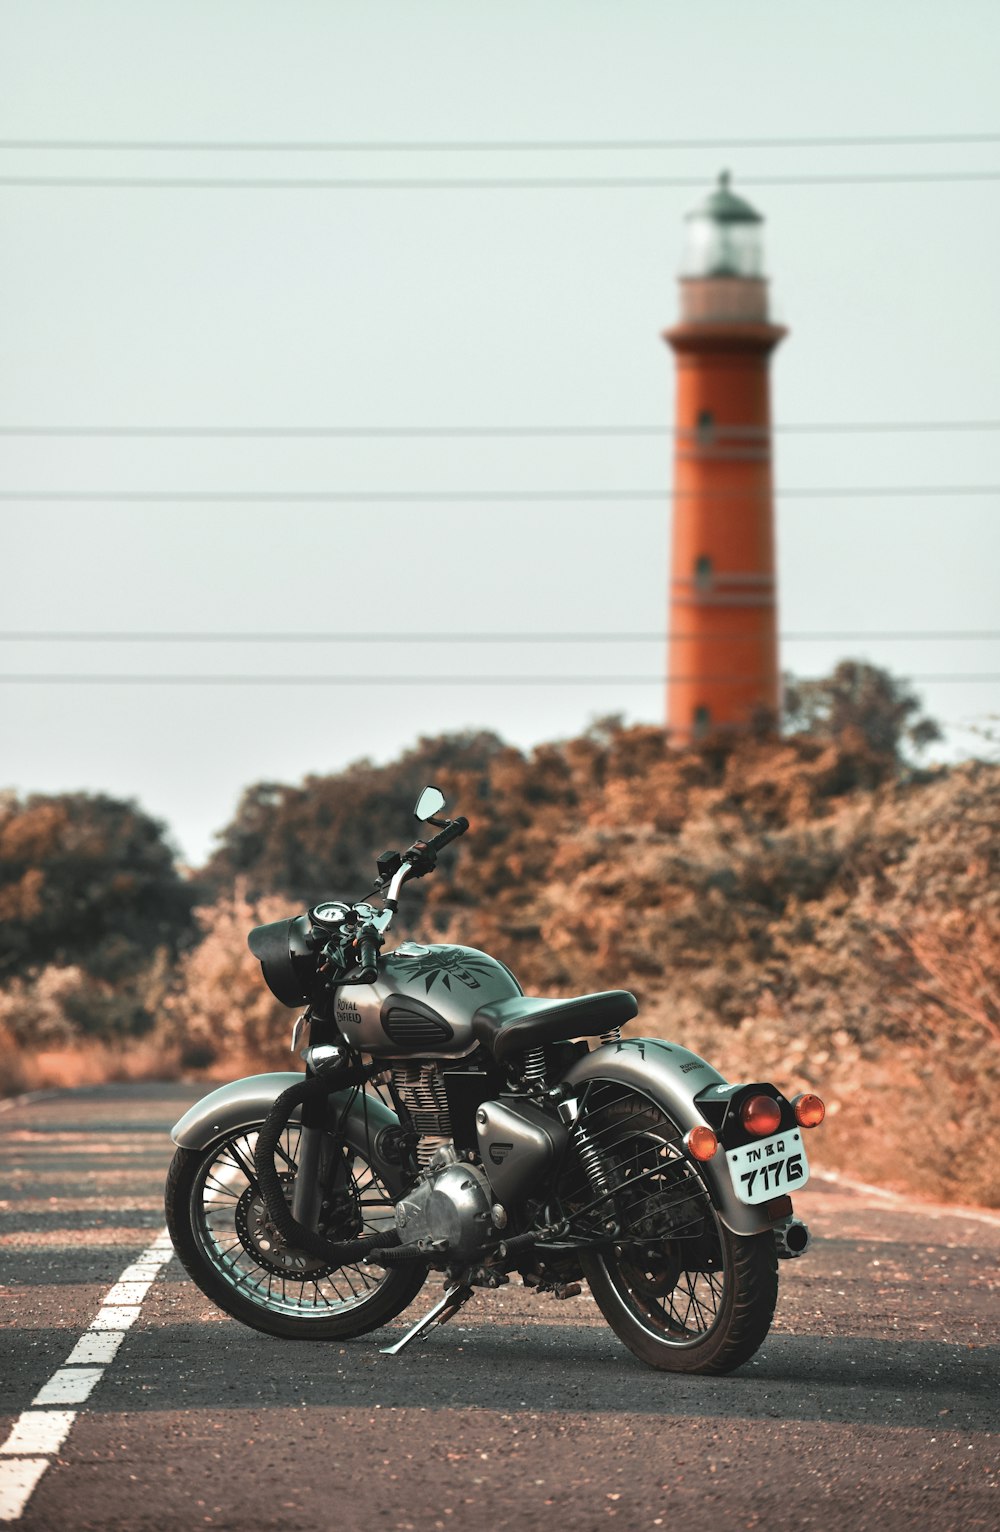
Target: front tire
point(221, 1234)
point(683, 1292)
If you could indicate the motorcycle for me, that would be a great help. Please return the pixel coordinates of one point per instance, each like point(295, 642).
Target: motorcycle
point(447, 1122)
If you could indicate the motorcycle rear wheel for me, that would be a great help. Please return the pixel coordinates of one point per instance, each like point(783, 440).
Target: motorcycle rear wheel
point(218, 1226)
point(683, 1292)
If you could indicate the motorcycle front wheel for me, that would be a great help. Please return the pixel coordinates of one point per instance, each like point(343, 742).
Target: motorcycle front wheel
point(681, 1290)
point(222, 1235)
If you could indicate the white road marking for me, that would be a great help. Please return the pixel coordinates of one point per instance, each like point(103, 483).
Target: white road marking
point(96, 1347)
point(126, 1293)
point(116, 1319)
point(143, 1271)
point(39, 1432)
point(70, 1385)
point(18, 1477)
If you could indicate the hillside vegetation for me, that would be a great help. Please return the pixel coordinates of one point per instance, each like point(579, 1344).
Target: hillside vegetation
point(799, 908)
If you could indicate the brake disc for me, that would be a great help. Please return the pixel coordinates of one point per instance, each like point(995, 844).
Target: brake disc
point(262, 1242)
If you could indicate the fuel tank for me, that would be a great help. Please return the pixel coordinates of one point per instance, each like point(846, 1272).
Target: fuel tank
point(422, 1002)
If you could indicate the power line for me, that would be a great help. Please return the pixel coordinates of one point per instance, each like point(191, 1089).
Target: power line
point(139, 637)
point(488, 146)
point(720, 433)
point(481, 496)
point(479, 183)
point(86, 679)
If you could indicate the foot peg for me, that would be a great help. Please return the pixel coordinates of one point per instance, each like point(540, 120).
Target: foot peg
point(454, 1298)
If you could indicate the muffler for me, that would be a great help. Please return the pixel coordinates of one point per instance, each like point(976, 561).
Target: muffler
point(792, 1238)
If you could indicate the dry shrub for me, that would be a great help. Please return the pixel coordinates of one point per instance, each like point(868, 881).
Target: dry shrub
point(784, 907)
point(219, 1011)
point(62, 1027)
point(780, 909)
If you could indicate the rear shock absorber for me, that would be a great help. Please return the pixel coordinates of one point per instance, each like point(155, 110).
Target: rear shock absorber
point(534, 1066)
point(613, 1035)
point(591, 1159)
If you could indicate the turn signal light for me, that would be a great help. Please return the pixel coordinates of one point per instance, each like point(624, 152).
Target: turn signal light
point(761, 1115)
point(809, 1111)
point(700, 1142)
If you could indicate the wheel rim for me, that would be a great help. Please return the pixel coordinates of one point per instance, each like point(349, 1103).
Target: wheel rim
point(669, 1270)
point(228, 1224)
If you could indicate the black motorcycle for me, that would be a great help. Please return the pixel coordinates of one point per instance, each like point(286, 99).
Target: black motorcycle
point(448, 1122)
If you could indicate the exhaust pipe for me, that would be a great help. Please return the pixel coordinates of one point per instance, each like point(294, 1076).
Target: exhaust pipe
point(792, 1238)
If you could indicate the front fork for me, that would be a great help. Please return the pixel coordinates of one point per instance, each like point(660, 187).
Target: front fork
point(315, 1161)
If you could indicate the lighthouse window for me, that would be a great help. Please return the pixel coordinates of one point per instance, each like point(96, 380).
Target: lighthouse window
point(702, 722)
point(705, 429)
point(703, 572)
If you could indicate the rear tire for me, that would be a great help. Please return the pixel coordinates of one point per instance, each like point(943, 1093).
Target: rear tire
point(682, 1291)
point(750, 1291)
point(216, 1222)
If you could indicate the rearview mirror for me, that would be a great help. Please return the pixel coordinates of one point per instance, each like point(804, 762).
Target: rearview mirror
point(430, 802)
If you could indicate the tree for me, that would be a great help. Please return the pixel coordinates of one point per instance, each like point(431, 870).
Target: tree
point(320, 839)
point(864, 699)
point(86, 880)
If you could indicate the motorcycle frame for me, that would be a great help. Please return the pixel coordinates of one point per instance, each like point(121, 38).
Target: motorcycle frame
point(671, 1076)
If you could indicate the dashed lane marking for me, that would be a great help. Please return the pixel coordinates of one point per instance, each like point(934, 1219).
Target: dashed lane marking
point(18, 1478)
point(40, 1431)
point(70, 1385)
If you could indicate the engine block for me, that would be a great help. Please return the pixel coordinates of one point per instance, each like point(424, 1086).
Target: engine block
point(449, 1209)
point(422, 1092)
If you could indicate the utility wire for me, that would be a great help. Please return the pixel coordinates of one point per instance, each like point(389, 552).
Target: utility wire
point(141, 637)
point(488, 146)
point(720, 434)
point(479, 183)
point(481, 496)
point(424, 681)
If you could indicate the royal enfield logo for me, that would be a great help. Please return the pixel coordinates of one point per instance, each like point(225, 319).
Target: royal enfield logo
point(499, 1152)
point(347, 1011)
point(445, 963)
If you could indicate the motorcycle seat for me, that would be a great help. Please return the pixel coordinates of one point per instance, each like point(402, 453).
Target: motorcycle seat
point(510, 1026)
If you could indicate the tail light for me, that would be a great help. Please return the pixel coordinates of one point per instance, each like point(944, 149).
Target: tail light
point(700, 1142)
point(760, 1115)
point(809, 1110)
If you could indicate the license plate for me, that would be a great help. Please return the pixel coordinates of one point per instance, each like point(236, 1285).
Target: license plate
point(772, 1167)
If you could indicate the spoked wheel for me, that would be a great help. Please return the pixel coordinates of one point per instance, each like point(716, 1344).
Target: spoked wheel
point(681, 1290)
point(223, 1236)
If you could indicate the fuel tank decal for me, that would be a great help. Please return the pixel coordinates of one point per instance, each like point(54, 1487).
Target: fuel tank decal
point(445, 963)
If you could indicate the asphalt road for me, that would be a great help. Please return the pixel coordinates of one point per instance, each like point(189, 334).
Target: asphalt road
point(874, 1403)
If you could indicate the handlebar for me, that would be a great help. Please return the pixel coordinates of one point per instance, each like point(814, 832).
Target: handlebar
point(450, 832)
point(368, 945)
point(362, 923)
point(420, 859)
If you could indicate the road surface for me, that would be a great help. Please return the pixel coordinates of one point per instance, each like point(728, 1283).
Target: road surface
point(874, 1403)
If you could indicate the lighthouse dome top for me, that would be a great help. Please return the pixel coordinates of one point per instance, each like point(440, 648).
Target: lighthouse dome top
point(723, 236)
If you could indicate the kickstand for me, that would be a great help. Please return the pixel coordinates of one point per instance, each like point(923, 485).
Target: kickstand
point(447, 1306)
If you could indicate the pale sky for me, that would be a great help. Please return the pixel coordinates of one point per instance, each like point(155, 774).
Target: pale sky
point(497, 307)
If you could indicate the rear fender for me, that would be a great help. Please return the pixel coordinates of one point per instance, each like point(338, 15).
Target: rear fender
point(672, 1076)
point(243, 1104)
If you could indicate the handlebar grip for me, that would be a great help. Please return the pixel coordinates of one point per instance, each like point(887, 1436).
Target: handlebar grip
point(449, 833)
point(367, 957)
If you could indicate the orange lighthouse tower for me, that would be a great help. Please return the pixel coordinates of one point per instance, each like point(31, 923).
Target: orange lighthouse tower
point(723, 652)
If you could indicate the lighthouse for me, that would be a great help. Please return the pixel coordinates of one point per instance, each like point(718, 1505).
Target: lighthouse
point(723, 648)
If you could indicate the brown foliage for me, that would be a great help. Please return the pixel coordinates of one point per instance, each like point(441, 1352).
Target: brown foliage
point(219, 1008)
point(790, 908)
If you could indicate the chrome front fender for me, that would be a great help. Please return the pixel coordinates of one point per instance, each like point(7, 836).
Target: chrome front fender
point(672, 1076)
point(243, 1104)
